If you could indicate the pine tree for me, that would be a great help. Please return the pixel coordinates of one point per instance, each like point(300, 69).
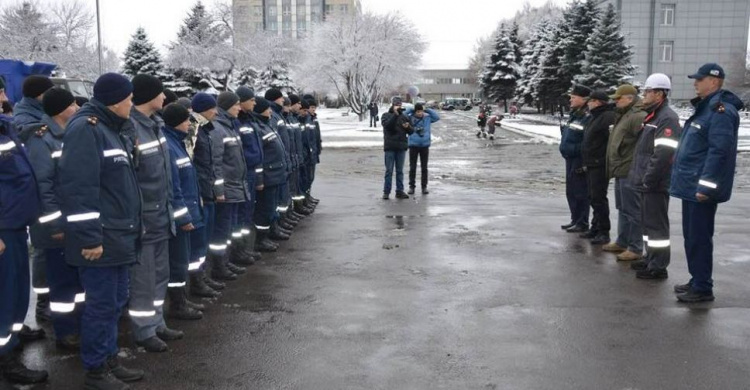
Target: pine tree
point(199, 28)
point(550, 86)
point(607, 56)
point(502, 70)
point(578, 24)
point(141, 56)
point(275, 76)
point(531, 56)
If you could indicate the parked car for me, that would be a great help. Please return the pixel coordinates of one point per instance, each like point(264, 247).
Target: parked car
point(451, 104)
point(77, 87)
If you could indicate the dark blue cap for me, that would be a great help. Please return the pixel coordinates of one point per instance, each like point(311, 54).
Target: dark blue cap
point(203, 102)
point(710, 69)
point(112, 88)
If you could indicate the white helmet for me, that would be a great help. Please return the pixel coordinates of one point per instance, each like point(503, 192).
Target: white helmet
point(658, 81)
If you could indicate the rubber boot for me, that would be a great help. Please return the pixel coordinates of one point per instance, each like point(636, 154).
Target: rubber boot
point(178, 308)
point(199, 288)
point(240, 255)
point(264, 244)
point(219, 270)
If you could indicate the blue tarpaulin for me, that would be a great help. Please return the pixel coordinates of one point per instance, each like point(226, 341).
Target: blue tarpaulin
point(14, 72)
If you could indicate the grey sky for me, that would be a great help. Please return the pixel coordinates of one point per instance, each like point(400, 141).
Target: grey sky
point(450, 27)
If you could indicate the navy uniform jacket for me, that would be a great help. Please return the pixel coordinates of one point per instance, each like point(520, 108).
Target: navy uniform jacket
point(296, 128)
point(274, 155)
point(19, 197)
point(99, 192)
point(279, 125)
point(45, 149)
point(707, 153)
point(252, 148)
point(186, 199)
point(153, 173)
point(27, 114)
point(317, 139)
point(230, 165)
point(572, 134)
point(657, 142)
point(306, 128)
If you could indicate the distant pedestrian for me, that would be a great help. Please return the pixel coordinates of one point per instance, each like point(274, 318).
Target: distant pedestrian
point(492, 123)
point(704, 175)
point(513, 110)
point(482, 123)
point(594, 152)
point(396, 130)
point(650, 175)
point(419, 143)
point(373, 114)
point(576, 187)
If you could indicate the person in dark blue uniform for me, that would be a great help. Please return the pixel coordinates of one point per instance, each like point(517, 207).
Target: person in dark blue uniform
point(19, 208)
point(252, 148)
point(187, 211)
point(703, 175)
point(101, 201)
point(284, 201)
point(317, 143)
point(576, 185)
point(47, 234)
point(274, 175)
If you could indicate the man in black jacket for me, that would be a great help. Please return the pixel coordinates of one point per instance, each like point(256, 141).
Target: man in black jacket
point(594, 151)
point(396, 130)
point(373, 114)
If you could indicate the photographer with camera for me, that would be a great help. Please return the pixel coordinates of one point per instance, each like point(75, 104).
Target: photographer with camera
point(396, 130)
point(419, 143)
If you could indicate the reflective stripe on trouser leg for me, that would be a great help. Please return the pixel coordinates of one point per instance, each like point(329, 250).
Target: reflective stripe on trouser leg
point(179, 257)
point(148, 285)
point(14, 287)
point(198, 249)
point(66, 293)
point(265, 208)
point(222, 231)
point(655, 221)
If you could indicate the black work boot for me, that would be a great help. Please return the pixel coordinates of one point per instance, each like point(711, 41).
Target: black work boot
point(178, 308)
point(153, 344)
point(214, 284)
point(263, 244)
point(299, 208)
point(123, 373)
point(102, 379)
point(401, 195)
point(242, 254)
point(590, 234)
point(567, 226)
point(27, 334)
point(652, 274)
point(286, 225)
point(249, 248)
point(693, 296)
point(411, 191)
point(43, 313)
point(199, 288)
point(15, 372)
point(600, 239)
point(236, 269)
point(639, 265)
point(682, 288)
point(278, 234)
point(71, 342)
point(219, 270)
point(577, 229)
point(195, 305)
point(167, 334)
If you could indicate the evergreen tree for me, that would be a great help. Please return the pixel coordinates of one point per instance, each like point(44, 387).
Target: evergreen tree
point(578, 24)
point(141, 56)
point(531, 56)
point(502, 70)
point(199, 28)
point(550, 86)
point(275, 76)
point(607, 56)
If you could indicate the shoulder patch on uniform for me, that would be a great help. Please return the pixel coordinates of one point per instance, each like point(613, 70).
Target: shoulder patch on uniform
point(93, 120)
point(668, 132)
point(43, 129)
point(720, 108)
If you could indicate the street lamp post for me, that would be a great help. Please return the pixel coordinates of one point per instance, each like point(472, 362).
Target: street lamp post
point(99, 37)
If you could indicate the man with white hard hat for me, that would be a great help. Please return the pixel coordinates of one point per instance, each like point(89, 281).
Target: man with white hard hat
point(650, 175)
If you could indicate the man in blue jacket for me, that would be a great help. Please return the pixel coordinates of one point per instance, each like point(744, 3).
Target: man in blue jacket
point(19, 208)
point(703, 175)
point(47, 235)
point(27, 115)
point(419, 143)
point(576, 185)
point(101, 200)
point(252, 148)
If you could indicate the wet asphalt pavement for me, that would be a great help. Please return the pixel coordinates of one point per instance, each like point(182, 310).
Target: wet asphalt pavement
point(471, 287)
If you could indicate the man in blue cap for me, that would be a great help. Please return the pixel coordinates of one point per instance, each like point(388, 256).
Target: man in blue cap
point(703, 175)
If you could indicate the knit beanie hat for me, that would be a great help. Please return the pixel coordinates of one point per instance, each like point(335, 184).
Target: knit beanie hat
point(305, 105)
point(112, 88)
point(287, 102)
point(57, 100)
point(227, 99)
point(80, 101)
point(261, 105)
point(245, 93)
point(273, 94)
point(294, 98)
point(36, 85)
point(171, 97)
point(146, 88)
point(185, 102)
point(203, 102)
point(175, 114)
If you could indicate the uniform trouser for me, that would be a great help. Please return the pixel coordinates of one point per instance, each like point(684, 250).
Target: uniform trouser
point(221, 234)
point(423, 155)
point(39, 272)
point(598, 184)
point(106, 296)
point(304, 178)
point(236, 225)
point(179, 259)
point(655, 219)
point(577, 192)
point(313, 167)
point(14, 287)
point(283, 199)
point(628, 203)
point(66, 296)
point(265, 207)
point(209, 214)
point(698, 230)
point(198, 247)
point(294, 184)
point(148, 287)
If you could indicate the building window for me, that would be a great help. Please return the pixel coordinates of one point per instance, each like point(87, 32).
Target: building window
point(667, 14)
point(272, 11)
point(300, 11)
point(666, 48)
point(258, 10)
point(301, 25)
point(456, 81)
point(344, 8)
point(273, 26)
point(329, 9)
point(286, 10)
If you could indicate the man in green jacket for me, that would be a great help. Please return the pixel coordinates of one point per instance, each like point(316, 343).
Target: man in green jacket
point(622, 141)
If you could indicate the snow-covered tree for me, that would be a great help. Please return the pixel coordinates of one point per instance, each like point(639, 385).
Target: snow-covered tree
point(550, 87)
point(531, 54)
point(608, 58)
point(579, 22)
point(502, 70)
point(360, 57)
point(141, 56)
point(26, 34)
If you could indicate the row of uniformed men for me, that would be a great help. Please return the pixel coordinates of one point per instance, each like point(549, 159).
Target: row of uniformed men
point(124, 215)
point(640, 143)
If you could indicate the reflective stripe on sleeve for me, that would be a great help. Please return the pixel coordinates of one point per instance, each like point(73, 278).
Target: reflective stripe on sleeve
point(4, 340)
point(7, 146)
point(115, 152)
point(219, 182)
point(175, 285)
point(56, 154)
point(17, 327)
point(183, 161)
point(259, 170)
point(62, 307)
point(708, 184)
point(50, 217)
point(80, 297)
point(82, 217)
point(179, 213)
point(666, 142)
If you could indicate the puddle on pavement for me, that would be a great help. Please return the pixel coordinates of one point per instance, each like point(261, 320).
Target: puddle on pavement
point(401, 220)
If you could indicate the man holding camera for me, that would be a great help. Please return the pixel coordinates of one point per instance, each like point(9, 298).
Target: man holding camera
point(419, 143)
point(396, 130)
